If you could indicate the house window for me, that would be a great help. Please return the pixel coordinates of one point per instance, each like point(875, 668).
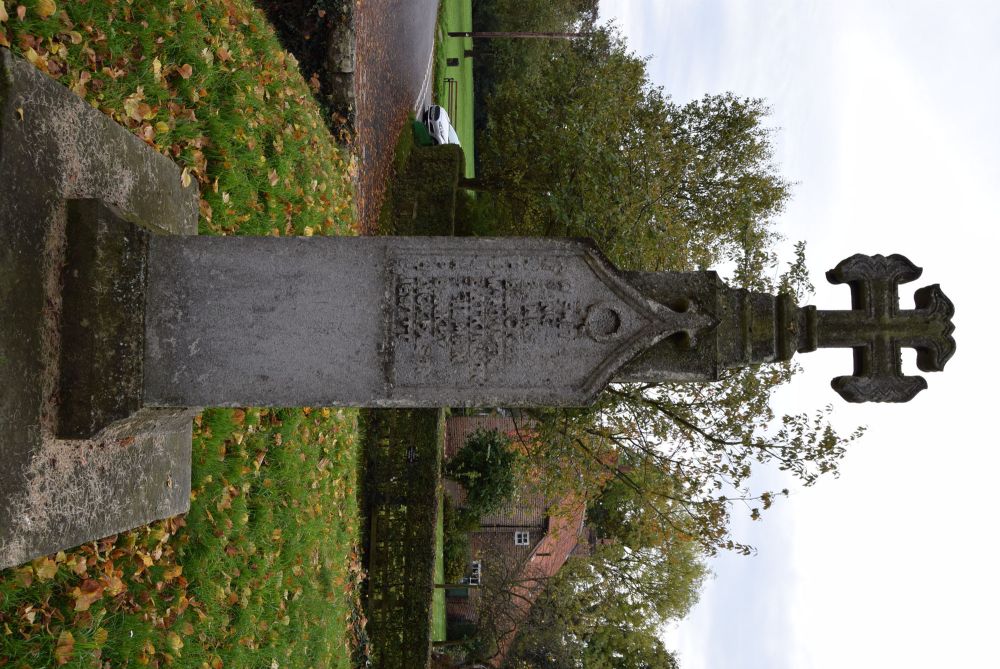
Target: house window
point(521, 539)
point(475, 576)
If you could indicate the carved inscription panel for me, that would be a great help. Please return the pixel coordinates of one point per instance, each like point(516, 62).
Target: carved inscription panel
point(524, 320)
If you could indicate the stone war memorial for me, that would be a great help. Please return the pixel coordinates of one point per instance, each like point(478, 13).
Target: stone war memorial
point(118, 323)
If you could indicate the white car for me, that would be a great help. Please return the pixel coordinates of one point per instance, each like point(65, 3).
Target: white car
point(439, 125)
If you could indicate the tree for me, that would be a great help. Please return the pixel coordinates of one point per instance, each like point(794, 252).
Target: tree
point(579, 143)
point(583, 618)
point(487, 467)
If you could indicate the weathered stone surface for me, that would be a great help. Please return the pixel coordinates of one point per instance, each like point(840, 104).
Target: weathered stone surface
point(407, 322)
point(425, 322)
point(341, 56)
point(876, 328)
point(56, 493)
point(103, 318)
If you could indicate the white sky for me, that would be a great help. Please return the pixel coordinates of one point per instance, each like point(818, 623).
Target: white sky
point(889, 123)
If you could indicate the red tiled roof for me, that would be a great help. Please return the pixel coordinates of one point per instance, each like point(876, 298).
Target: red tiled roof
point(565, 519)
point(551, 553)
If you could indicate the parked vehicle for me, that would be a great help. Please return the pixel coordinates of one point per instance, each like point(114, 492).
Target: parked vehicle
point(439, 125)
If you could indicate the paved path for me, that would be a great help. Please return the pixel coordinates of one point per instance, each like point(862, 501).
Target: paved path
point(395, 47)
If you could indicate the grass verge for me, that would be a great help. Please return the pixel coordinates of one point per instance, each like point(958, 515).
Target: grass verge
point(456, 16)
point(439, 614)
point(262, 571)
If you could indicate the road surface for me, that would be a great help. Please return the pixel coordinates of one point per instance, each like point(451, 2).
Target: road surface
point(395, 48)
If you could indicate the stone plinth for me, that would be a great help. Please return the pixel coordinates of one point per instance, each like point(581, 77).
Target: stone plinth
point(57, 493)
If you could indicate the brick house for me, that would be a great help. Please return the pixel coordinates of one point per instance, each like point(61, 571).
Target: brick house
point(520, 546)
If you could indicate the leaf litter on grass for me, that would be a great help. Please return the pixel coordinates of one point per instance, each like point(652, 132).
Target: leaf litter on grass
point(263, 567)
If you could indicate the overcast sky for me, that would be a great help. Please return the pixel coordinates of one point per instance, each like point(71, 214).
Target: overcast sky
point(888, 123)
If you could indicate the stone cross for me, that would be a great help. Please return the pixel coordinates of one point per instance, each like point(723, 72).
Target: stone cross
point(876, 329)
point(118, 323)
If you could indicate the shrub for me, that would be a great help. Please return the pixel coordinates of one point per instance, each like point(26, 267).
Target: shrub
point(456, 544)
point(487, 467)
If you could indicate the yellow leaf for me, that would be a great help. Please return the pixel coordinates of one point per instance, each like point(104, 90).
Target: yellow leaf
point(162, 127)
point(3, 12)
point(308, 232)
point(75, 37)
point(46, 8)
point(185, 177)
point(174, 641)
point(157, 69)
point(170, 573)
point(101, 636)
point(46, 568)
point(64, 648)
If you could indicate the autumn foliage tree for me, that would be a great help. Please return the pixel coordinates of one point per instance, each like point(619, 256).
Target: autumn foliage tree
point(579, 143)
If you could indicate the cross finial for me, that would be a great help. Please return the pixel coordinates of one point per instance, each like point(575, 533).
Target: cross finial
point(877, 329)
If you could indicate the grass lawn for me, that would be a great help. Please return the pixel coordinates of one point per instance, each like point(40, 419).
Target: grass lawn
point(263, 570)
point(439, 622)
point(456, 16)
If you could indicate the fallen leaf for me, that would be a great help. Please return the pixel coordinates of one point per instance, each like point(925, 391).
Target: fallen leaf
point(75, 37)
point(46, 8)
point(273, 177)
point(3, 12)
point(185, 177)
point(185, 71)
point(21, 12)
point(174, 641)
point(101, 636)
point(46, 568)
point(25, 576)
point(114, 584)
point(307, 232)
point(64, 648)
point(86, 594)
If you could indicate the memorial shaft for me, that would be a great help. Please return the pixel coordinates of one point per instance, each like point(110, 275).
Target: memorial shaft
point(397, 322)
